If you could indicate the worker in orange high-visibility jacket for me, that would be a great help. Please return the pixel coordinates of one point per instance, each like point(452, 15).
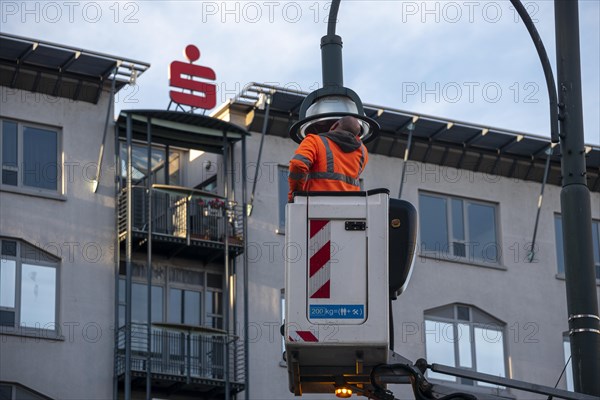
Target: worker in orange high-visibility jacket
point(329, 161)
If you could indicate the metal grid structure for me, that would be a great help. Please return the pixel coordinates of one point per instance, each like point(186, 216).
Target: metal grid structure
point(62, 71)
point(182, 222)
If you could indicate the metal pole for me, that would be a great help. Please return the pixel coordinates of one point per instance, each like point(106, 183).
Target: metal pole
point(260, 149)
point(149, 261)
point(227, 288)
point(96, 181)
point(117, 257)
point(128, 248)
point(540, 201)
point(411, 129)
point(245, 268)
point(582, 303)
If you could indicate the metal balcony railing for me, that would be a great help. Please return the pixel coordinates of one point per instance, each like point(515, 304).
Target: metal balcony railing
point(177, 355)
point(184, 216)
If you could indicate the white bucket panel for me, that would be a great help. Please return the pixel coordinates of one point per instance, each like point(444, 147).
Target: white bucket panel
point(337, 273)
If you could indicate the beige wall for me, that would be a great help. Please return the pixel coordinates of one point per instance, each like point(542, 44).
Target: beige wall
point(82, 225)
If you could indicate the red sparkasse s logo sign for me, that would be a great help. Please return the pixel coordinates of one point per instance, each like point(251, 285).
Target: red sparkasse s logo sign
point(185, 76)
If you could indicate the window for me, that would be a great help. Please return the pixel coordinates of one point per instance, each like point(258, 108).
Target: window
point(30, 156)
point(560, 260)
point(282, 174)
point(466, 337)
point(28, 286)
point(209, 185)
point(179, 295)
point(459, 229)
point(569, 366)
point(163, 172)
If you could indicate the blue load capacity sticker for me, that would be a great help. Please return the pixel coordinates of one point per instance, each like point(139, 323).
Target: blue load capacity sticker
point(336, 311)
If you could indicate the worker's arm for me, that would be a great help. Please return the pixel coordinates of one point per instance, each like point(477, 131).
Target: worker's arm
point(300, 165)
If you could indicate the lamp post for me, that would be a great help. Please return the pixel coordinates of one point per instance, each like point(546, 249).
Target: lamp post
point(582, 304)
point(324, 106)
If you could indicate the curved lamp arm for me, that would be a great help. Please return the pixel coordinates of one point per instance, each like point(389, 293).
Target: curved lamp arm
point(537, 41)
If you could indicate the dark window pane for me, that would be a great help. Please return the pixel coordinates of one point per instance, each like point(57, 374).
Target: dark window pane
point(482, 232)
point(215, 281)
point(157, 304)
point(9, 248)
point(174, 169)
point(138, 303)
point(7, 318)
point(191, 308)
point(9, 144)
point(175, 306)
point(433, 224)
point(462, 313)
point(5, 392)
point(139, 162)
point(10, 157)
point(559, 244)
point(24, 394)
point(458, 226)
point(283, 195)
point(459, 249)
point(121, 316)
point(40, 168)
point(121, 290)
point(10, 177)
point(214, 302)
point(215, 322)
point(186, 276)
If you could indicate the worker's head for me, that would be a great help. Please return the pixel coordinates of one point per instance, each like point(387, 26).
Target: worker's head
point(347, 123)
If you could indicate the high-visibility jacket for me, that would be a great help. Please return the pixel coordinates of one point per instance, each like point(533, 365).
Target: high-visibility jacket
point(332, 161)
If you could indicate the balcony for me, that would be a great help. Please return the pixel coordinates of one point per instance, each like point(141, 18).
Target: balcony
point(188, 360)
point(184, 221)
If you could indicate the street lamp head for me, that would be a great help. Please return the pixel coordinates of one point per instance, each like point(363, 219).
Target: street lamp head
point(323, 107)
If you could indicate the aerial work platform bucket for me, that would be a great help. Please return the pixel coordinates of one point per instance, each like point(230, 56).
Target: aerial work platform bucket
point(337, 285)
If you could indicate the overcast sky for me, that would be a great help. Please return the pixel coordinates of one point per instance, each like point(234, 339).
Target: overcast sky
point(469, 61)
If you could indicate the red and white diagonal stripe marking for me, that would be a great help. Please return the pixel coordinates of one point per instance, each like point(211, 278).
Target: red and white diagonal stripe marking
point(302, 336)
point(319, 248)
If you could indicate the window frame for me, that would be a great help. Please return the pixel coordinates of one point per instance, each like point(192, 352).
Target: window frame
point(468, 258)
point(496, 325)
point(20, 187)
point(52, 262)
point(560, 260)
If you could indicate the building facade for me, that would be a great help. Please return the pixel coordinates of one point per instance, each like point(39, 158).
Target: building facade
point(74, 282)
